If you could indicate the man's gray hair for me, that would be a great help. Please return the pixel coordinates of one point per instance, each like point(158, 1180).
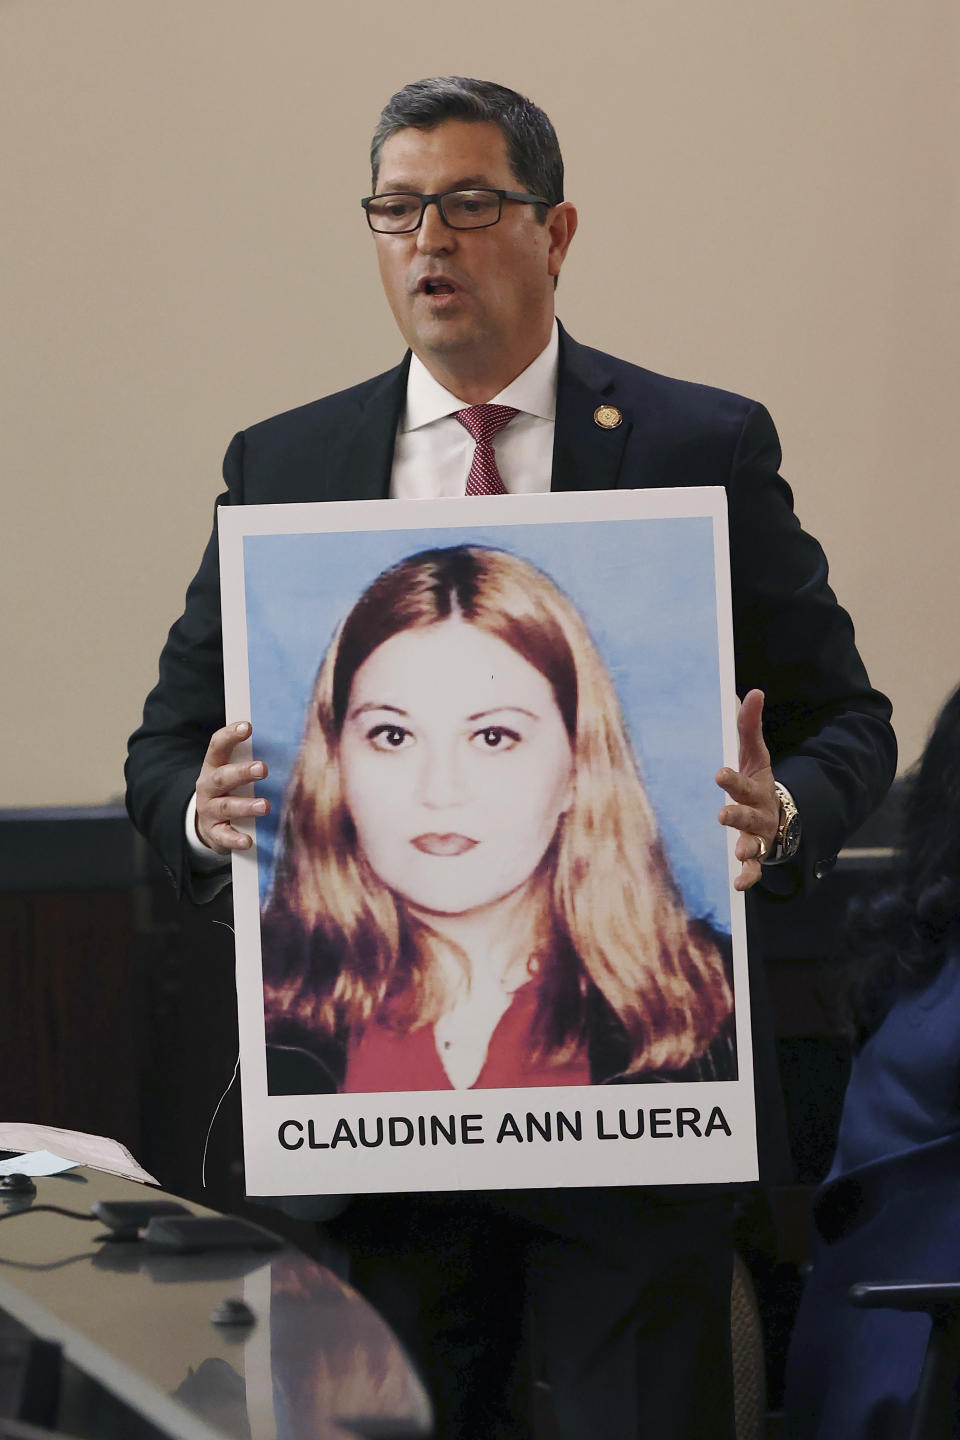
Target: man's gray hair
point(532, 147)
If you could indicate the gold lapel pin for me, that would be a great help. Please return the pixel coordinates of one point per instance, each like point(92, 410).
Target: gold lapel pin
point(608, 417)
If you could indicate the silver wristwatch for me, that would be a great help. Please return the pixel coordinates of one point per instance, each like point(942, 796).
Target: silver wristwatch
point(787, 842)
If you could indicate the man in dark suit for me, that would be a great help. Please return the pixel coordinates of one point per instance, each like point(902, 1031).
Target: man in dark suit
point(629, 1289)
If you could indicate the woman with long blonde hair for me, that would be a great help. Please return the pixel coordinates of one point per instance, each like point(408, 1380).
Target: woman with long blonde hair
point(470, 887)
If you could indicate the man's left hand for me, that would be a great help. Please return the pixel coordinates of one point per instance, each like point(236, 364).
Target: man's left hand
point(755, 811)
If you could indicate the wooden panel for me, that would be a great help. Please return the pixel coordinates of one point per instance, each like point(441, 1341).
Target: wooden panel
point(69, 1022)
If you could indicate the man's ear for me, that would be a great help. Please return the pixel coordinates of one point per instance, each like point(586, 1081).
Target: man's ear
point(561, 223)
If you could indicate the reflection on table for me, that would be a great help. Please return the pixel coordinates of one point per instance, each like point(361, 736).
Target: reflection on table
point(317, 1362)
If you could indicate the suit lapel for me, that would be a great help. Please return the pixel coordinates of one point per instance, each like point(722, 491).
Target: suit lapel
point(361, 469)
point(586, 456)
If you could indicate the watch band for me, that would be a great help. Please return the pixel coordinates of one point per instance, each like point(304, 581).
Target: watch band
point(789, 832)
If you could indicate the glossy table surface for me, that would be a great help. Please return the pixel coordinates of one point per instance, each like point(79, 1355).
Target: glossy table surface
point(317, 1362)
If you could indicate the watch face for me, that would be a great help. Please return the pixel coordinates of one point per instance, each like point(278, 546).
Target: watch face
point(791, 836)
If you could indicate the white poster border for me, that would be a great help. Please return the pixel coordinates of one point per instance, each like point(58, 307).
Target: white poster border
point(613, 1134)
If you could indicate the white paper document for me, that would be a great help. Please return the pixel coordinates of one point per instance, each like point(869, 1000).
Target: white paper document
point(36, 1162)
point(68, 1148)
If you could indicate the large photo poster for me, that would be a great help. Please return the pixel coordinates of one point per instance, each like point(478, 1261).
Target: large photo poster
point(487, 935)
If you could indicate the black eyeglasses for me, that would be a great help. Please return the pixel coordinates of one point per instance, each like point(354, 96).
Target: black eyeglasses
point(400, 213)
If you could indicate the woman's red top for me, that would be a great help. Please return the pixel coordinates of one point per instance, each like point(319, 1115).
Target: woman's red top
point(384, 1059)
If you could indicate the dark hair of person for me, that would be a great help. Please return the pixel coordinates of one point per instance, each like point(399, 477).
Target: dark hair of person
point(532, 147)
point(896, 939)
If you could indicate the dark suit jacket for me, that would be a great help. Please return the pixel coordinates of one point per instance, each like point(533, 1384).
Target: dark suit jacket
point(828, 731)
point(854, 1373)
point(886, 1212)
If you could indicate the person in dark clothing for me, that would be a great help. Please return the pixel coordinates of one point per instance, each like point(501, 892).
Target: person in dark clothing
point(889, 1207)
point(630, 1287)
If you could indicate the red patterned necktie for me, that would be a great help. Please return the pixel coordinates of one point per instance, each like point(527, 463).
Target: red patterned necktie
point(483, 422)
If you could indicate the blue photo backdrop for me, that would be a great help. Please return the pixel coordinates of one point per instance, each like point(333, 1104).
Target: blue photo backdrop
point(647, 591)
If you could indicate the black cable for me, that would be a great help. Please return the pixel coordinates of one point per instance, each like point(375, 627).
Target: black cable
point(56, 1209)
point(46, 1264)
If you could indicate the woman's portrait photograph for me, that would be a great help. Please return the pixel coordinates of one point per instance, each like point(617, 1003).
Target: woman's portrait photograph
point(492, 860)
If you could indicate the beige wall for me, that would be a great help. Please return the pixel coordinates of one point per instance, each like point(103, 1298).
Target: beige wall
point(768, 203)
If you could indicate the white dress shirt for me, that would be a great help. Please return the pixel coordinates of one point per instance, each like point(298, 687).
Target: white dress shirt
point(433, 452)
point(432, 459)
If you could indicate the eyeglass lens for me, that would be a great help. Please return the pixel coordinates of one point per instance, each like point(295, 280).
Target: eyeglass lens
point(461, 209)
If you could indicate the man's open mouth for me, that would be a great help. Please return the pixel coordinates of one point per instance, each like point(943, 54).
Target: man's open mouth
point(436, 287)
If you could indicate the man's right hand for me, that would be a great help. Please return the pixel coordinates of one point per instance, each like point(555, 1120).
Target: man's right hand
point(217, 805)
